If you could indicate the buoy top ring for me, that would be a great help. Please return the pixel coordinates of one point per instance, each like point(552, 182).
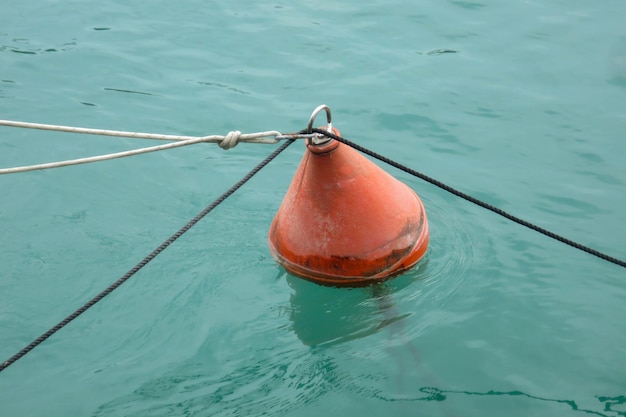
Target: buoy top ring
point(318, 139)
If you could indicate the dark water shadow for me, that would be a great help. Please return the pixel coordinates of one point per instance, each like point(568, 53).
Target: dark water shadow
point(328, 316)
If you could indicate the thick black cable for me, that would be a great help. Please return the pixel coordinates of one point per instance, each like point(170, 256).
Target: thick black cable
point(147, 259)
point(472, 199)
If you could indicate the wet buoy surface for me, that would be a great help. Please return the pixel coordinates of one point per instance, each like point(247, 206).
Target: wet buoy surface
point(346, 222)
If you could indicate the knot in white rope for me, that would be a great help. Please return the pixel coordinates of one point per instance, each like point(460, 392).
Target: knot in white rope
point(225, 142)
point(230, 140)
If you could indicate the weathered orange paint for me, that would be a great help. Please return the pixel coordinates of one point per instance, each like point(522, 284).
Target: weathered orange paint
point(346, 222)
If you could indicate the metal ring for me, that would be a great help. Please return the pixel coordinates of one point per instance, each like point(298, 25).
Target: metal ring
point(315, 140)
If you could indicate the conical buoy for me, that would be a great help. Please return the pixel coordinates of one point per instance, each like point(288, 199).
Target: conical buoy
point(346, 222)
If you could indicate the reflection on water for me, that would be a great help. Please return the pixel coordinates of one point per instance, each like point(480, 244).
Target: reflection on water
point(326, 315)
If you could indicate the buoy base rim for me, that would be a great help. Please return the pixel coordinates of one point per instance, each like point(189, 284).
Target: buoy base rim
point(344, 282)
point(334, 280)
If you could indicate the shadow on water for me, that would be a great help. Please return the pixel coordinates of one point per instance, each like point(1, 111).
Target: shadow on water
point(328, 316)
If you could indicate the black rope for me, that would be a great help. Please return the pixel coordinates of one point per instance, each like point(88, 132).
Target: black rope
point(145, 261)
point(472, 199)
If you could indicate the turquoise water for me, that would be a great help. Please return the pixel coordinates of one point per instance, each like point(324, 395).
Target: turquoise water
point(522, 104)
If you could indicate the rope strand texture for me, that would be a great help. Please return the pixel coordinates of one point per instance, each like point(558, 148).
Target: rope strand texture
point(146, 260)
point(225, 142)
point(474, 200)
point(100, 157)
point(261, 137)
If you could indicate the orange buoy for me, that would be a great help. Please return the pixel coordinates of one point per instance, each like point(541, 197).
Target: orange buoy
point(346, 222)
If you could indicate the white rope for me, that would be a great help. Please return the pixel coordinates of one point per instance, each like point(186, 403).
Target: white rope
point(99, 157)
point(225, 142)
point(261, 137)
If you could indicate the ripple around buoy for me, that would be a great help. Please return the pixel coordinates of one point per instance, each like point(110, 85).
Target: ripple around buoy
point(323, 315)
point(396, 315)
point(277, 384)
point(458, 247)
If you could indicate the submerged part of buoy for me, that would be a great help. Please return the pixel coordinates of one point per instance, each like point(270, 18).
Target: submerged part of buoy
point(346, 222)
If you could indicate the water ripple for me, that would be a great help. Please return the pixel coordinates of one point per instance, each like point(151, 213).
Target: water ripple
point(276, 383)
